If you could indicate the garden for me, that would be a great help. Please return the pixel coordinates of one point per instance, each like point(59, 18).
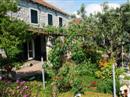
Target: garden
point(81, 62)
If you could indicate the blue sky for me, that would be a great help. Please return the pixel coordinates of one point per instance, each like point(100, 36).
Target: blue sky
point(71, 6)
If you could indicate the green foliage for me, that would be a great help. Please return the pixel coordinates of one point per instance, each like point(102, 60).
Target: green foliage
point(78, 54)
point(106, 73)
point(105, 86)
point(56, 55)
point(23, 89)
point(17, 65)
point(73, 77)
point(7, 5)
point(127, 78)
point(5, 89)
point(94, 36)
point(3, 62)
point(87, 69)
point(54, 30)
point(66, 76)
point(82, 11)
point(13, 33)
point(77, 86)
point(105, 83)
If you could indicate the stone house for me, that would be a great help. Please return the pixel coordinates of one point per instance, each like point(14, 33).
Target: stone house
point(39, 13)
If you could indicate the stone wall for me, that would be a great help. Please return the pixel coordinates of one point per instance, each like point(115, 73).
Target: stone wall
point(24, 14)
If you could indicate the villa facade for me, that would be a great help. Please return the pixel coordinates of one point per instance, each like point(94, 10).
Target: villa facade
point(39, 13)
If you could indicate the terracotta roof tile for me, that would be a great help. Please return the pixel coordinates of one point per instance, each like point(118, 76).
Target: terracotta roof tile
point(44, 3)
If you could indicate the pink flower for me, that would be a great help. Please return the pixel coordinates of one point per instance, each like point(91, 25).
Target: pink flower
point(17, 87)
point(21, 92)
point(22, 83)
point(17, 81)
point(0, 77)
point(25, 87)
point(26, 95)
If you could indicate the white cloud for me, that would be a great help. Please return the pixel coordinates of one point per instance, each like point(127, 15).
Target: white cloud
point(95, 8)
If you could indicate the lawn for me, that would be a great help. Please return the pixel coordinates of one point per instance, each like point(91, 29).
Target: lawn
point(87, 94)
point(47, 92)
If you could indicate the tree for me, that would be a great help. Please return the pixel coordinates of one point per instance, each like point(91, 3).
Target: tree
point(82, 11)
point(8, 5)
point(94, 36)
point(114, 29)
point(106, 32)
point(13, 33)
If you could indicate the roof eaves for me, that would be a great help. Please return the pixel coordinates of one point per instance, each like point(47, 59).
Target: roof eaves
point(52, 7)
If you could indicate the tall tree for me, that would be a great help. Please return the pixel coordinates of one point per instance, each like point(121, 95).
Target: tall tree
point(82, 11)
point(12, 32)
point(111, 29)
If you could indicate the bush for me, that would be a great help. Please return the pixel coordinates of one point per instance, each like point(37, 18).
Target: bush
point(105, 83)
point(105, 73)
point(77, 86)
point(87, 68)
point(10, 89)
point(66, 76)
point(17, 65)
point(105, 86)
point(73, 77)
point(78, 54)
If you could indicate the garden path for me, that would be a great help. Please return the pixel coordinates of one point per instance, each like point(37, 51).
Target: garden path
point(29, 68)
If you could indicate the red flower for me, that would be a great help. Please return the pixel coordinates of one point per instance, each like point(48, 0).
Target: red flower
point(93, 83)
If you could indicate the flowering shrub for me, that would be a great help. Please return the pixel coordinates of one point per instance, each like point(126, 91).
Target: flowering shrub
point(17, 89)
point(22, 89)
point(103, 63)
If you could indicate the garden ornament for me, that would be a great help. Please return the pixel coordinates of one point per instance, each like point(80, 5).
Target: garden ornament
point(78, 95)
point(125, 91)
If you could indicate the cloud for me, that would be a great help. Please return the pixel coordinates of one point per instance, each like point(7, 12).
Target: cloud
point(95, 8)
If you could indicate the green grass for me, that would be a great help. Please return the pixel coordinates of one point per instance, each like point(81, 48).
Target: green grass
point(47, 91)
point(85, 80)
point(86, 94)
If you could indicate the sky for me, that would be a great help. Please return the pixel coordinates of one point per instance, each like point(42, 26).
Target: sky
point(92, 6)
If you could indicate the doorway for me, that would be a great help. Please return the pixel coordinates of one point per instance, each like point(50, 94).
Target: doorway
point(31, 49)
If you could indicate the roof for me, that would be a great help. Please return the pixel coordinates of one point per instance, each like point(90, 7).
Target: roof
point(48, 5)
point(76, 21)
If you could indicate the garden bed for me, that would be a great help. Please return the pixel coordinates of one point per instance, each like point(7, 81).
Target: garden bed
point(87, 94)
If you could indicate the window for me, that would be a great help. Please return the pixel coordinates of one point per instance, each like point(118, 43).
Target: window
point(60, 22)
point(34, 16)
point(50, 20)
